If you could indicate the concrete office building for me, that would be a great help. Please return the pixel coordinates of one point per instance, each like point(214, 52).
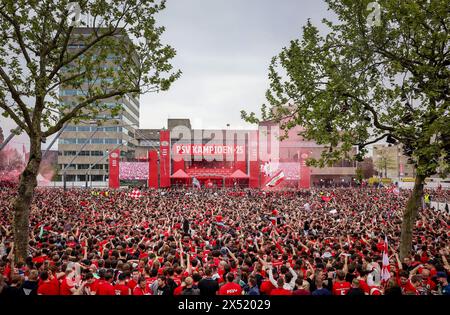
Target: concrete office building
point(90, 140)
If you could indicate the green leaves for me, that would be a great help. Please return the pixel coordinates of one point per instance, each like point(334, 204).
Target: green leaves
point(358, 83)
point(116, 51)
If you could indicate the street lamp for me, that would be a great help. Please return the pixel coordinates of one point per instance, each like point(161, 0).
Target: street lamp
point(88, 140)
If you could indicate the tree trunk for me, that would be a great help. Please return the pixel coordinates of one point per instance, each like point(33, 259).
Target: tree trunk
point(409, 217)
point(22, 203)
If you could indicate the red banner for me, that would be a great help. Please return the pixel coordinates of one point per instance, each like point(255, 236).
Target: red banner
point(254, 159)
point(164, 162)
point(152, 169)
point(114, 158)
point(183, 150)
point(305, 172)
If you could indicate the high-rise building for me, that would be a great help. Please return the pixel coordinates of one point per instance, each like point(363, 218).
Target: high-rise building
point(83, 147)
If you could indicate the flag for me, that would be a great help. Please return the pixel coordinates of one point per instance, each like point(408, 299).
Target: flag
point(278, 178)
point(326, 198)
point(385, 275)
point(196, 182)
point(135, 194)
point(394, 190)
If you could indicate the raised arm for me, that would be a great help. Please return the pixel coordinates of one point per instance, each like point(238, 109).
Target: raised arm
point(399, 264)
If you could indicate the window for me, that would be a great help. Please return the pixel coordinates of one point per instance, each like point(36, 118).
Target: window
point(96, 153)
point(70, 153)
point(84, 128)
point(111, 141)
point(70, 128)
point(97, 141)
point(97, 178)
point(111, 129)
point(72, 93)
point(84, 153)
point(68, 141)
point(83, 166)
point(81, 178)
point(82, 141)
point(98, 167)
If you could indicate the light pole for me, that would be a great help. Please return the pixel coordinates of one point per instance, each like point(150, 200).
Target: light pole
point(13, 133)
point(88, 171)
point(88, 140)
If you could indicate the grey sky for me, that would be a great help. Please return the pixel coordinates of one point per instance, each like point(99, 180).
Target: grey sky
point(224, 48)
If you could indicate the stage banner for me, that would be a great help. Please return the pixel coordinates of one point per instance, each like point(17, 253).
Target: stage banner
point(254, 159)
point(114, 158)
point(305, 172)
point(153, 169)
point(164, 162)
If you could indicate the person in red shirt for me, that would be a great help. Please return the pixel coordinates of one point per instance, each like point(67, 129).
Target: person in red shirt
point(142, 288)
point(266, 287)
point(134, 279)
point(363, 282)
point(405, 284)
point(279, 290)
point(230, 288)
point(48, 284)
point(104, 287)
point(67, 286)
point(91, 284)
point(121, 288)
point(341, 287)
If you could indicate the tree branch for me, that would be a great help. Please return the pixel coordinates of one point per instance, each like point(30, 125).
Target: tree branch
point(80, 106)
point(16, 118)
point(362, 145)
point(376, 122)
point(61, 64)
point(16, 97)
point(18, 34)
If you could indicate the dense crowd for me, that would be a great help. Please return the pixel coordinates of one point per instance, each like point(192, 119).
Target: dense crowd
point(226, 242)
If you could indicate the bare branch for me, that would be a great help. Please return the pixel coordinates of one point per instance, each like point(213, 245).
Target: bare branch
point(376, 122)
point(73, 113)
point(16, 96)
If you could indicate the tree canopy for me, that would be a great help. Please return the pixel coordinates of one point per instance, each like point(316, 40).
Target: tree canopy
point(363, 82)
point(102, 48)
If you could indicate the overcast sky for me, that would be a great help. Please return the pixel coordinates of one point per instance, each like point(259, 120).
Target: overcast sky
point(223, 48)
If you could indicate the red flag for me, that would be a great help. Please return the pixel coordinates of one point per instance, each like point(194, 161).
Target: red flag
point(385, 274)
point(277, 179)
point(135, 194)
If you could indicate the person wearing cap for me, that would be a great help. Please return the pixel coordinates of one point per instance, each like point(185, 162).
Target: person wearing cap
point(442, 279)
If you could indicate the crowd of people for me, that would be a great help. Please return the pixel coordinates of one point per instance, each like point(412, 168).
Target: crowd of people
point(223, 242)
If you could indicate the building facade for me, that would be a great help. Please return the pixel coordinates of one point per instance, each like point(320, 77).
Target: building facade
point(83, 147)
point(390, 162)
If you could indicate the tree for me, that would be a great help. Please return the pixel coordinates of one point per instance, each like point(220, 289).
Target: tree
point(367, 168)
point(113, 51)
point(384, 162)
point(364, 82)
